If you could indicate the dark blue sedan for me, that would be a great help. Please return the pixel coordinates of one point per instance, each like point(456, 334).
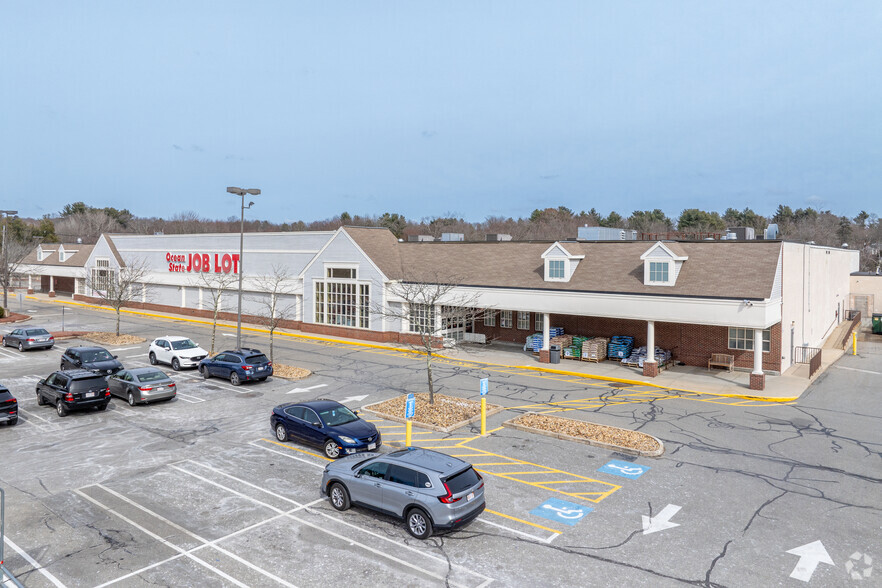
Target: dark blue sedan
point(239, 365)
point(326, 424)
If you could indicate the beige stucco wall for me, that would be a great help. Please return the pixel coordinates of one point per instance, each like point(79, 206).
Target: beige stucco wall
point(816, 283)
point(870, 287)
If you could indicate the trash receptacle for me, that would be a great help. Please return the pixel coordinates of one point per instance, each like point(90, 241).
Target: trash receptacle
point(554, 354)
point(877, 324)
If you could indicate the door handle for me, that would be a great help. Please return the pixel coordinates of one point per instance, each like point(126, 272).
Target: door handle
point(409, 493)
point(377, 484)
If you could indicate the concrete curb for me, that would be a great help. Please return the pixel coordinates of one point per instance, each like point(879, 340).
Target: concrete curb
point(491, 410)
point(599, 444)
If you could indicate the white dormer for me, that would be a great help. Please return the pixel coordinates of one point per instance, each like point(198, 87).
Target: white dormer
point(560, 263)
point(43, 253)
point(662, 263)
point(65, 254)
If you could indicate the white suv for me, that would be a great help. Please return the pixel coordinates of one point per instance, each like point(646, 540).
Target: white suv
point(178, 352)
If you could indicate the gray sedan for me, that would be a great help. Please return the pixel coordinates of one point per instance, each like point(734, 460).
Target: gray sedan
point(29, 338)
point(142, 385)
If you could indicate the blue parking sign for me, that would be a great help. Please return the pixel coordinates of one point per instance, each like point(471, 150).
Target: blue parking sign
point(410, 407)
point(485, 386)
point(624, 469)
point(561, 511)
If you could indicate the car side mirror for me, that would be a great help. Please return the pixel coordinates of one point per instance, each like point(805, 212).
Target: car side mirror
point(116, 357)
point(42, 381)
point(358, 474)
point(319, 425)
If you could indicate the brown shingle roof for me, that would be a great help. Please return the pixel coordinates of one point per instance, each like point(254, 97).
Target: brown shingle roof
point(78, 259)
point(718, 269)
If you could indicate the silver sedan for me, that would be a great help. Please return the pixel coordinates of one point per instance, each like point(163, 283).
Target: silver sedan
point(142, 385)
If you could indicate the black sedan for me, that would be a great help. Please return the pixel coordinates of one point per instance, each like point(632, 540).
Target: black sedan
point(29, 338)
point(8, 407)
point(142, 385)
point(326, 424)
point(95, 359)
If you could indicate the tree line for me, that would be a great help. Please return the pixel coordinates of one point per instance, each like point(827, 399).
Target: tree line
point(862, 232)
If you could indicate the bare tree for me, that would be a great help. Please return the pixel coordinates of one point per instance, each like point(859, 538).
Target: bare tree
point(215, 284)
point(119, 288)
point(13, 252)
point(428, 308)
point(274, 308)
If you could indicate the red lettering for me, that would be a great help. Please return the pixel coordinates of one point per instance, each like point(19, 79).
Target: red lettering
point(168, 256)
point(197, 262)
point(217, 267)
point(205, 266)
point(227, 263)
point(235, 263)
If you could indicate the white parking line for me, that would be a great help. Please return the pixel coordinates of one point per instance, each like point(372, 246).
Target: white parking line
point(191, 399)
point(169, 544)
point(287, 455)
point(350, 540)
point(33, 562)
point(842, 367)
point(7, 353)
point(536, 537)
point(133, 356)
point(30, 414)
point(125, 348)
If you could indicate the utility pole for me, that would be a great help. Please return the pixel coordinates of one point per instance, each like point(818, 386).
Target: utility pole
point(5, 277)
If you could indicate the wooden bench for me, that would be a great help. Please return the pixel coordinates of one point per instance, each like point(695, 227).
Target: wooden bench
point(721, 360)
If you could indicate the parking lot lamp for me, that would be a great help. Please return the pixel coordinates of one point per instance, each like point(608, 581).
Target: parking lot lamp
point(240, 192)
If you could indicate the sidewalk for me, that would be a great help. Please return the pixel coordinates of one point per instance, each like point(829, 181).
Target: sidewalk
point(784, 388)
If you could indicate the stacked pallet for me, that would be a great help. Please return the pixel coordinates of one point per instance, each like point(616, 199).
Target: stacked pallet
point(620, 347)
point(534, 343)
point(594, 349)
point(639, 354)
point(574, 350)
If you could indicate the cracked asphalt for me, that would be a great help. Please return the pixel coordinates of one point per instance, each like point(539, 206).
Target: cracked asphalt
point(196, 492)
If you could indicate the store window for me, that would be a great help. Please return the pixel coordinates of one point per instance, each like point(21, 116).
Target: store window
point(342, 301)
point(102, 275)
point(489, 318)
point(523, 321)
point(658, 271)
point(743, 339)
point(505, 319)
point(539, 324)
point(422, 318)
point(556, 269)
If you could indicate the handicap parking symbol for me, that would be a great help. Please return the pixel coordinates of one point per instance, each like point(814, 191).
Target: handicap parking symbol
point(561, 511)
point(624, 469)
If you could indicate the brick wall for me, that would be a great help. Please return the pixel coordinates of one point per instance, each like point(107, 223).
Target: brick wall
point(691, 344)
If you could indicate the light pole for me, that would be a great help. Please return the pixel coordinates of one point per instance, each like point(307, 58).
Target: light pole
point(241, 192)
point(6, 214)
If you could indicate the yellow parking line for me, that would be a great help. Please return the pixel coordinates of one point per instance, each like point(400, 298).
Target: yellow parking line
point(467, 455)
point(499, 514)
point(388, 426)
point(414, 433)
point(518, 473)
point(492, 463)
point(296, 449)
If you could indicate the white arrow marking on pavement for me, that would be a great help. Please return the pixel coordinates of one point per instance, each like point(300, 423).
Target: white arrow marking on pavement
point(661, 521)
point(353, 399)
point(810, 555)
point(296, 390)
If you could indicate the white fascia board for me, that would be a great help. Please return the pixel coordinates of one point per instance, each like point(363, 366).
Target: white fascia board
point(559, 246)
point(192, 280)
point(58, 271)
point(667, 250)
point(761, 314)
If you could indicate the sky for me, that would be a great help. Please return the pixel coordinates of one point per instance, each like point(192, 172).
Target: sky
point(427, 109)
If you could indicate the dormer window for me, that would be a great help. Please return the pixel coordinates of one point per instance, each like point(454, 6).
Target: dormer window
point(662, 263)
point(560, 263)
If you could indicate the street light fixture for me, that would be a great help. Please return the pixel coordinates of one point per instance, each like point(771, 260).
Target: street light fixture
point(6, 214)
point(241, 192)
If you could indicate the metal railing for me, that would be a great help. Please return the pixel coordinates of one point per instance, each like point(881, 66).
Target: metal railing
point(809, 355)
point(855, 317)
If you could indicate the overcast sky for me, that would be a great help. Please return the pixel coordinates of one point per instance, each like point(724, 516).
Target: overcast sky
point(427, 109)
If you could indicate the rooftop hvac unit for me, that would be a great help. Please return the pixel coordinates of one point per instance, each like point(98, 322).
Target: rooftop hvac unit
point(498, 237)
point(452, 237)
point(771, 231)
point(606, 234)
point(741, 233)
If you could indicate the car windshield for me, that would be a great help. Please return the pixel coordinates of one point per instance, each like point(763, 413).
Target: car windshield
point(152, 376)
point(37, 332)
point(261, 358)
point(337, 416)
point(185, 344)
point(87, 384)
point(100, 355)
point(462, 481)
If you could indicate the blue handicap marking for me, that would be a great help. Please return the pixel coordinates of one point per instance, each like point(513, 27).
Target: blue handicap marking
point(561, 511)
point(485, 386)
point(624, 469)
point(410, 406)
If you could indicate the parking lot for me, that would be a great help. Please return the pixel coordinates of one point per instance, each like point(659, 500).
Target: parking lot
point(197, 491)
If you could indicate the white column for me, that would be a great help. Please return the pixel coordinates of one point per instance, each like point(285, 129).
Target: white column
point(650, 342)
point(52, 283)
point(546, 331)
point(30, 282)
point(183, 297)
point(758, 351)
point(200, 298)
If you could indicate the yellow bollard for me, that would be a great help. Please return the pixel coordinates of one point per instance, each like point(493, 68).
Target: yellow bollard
point(854, 343)
point(483, 416)
point(407, 433)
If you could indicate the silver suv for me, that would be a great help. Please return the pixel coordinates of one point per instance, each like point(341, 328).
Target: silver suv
point(425, 488)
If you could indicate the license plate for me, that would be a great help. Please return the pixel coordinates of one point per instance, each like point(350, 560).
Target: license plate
point(42, 339)
point(260, 369)
point(372, 446)
point(159, 389)
point(90, 394)
point(470, 496)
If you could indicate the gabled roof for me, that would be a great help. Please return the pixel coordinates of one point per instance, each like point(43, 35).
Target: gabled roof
point(716, 269)
point(77, 259)
point(673, 249)
point(113, 249)
point(558, 246)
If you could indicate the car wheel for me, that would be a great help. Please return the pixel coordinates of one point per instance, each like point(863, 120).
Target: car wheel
point(12, 421)
point(60, 409)
point(262, 379)
point(101, 407)
point(281, 433)
point(20, 346)
point(234, 379)
point(332, 450)
point(40, 400)
point(339, 496)
point(203, 369)
point(152, 358)
point(131, 399)
point(418, 523)
point(176, 365)
point(4, 341)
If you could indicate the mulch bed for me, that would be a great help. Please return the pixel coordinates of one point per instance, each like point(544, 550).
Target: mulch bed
point(14, 317)
point(68, 334)
point(446, 414)
point(289, 372)
point(112, 338)
point(632, 442)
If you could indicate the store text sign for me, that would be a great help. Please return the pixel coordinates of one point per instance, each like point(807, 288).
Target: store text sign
point(202, 262)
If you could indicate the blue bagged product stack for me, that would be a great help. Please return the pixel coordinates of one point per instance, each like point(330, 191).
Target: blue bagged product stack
point(620, 347)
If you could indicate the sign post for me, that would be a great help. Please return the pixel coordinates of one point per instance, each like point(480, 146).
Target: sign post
point(854, 343)
point(485, 385)
point(409, 411)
